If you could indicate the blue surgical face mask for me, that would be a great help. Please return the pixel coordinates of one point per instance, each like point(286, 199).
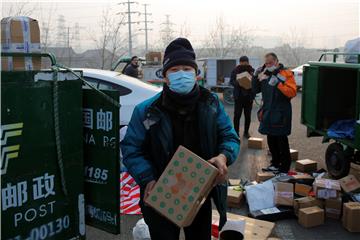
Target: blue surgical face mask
point(271, 69)
point(182, 81)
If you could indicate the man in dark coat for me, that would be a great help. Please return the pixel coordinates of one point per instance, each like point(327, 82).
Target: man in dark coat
point(182, 114)
point(131, 69)
point(243, 97)
point(278, 87)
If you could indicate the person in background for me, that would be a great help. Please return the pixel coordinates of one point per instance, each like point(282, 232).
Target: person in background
point(186, 114)
point(278, 87)
point(131, 69)
point(243, 97)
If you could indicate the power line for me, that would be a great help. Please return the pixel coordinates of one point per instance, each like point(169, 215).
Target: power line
point(146, 29)
point(129, 22)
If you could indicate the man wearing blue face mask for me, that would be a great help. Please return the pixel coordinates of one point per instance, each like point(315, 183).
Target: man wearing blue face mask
point(182, 114)
point(278, 87)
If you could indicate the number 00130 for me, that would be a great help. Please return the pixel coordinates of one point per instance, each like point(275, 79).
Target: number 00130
point(50, 229)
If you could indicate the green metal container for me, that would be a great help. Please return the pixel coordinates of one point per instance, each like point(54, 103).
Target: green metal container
point(331, 92)
point(101, 157)
point(42, 185)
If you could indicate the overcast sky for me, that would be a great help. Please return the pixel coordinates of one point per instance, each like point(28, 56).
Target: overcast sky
point(321, 23)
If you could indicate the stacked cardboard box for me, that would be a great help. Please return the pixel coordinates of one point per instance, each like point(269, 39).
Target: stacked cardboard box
point(350, 184)
point(234, 182)
point(326, 188)
point(263, 176)
point(306, 166)
point(182, 188)
point(355, 170)
point(235, 196)
point(284, 194)
point(351, 216)
point(333, 208)
point(20, 35)
point(294, 154)
point(256, 143)
point(302, 189)
point(306, 202)
point(311, 216)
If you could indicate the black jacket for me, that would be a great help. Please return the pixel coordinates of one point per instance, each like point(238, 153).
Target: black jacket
point(240, 92)
point(131, 71)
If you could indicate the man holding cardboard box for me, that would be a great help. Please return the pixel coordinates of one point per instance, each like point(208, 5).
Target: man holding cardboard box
point(241, 80)
point(278, 87)
point(182, 114)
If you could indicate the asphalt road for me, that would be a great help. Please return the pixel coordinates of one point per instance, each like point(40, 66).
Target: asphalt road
point(247, 165)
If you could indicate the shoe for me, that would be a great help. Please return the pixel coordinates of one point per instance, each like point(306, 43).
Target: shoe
point(271, 168)
point(247, 135)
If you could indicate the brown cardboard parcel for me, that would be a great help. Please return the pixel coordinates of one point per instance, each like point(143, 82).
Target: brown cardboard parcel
point(302, 189)
point(305, 202)
point(306, 165)
point(350, 184)
point(294, 154)
point(311, 216)
point(235, 196)
point(234, 182)
point(244, 80)
point(263, 176)
point(284, 194)
point(154, 57)
point(182, 187)
point(254, 229)
point(355, 170)
point(351, 216)
point(333, 208)
point(256, 143)
point(22, 35)
point(326, 188)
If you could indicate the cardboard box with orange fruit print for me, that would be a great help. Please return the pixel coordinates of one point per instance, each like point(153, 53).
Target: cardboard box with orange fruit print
point(183, 187)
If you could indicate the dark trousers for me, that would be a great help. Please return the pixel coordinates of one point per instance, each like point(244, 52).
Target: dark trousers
point(242, 104)
point(162, 229)
point(280, 152)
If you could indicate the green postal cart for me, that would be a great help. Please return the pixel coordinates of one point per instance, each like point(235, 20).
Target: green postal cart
point(49, 125)
point(331, 92)
point(42, 186)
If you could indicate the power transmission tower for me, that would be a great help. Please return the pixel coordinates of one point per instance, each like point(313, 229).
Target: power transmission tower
point(76, 35)
point(61, 31)
point(146, 29)
point(129, 22)
point(167, 30)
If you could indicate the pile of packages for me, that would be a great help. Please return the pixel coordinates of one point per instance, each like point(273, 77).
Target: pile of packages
point(306, 193)
point(20, 35)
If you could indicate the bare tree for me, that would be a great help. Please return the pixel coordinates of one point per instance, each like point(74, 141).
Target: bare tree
point(116, 42)
point(293, 49)
point(46, 20)
point(185, 30)
point(108, 41)
point(25, 8)
point(224, 40)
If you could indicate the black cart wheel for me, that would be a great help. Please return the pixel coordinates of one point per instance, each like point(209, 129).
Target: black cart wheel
point(338, 165)
point(229, 96)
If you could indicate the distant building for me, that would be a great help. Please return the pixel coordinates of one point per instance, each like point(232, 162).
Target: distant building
point(94, 58)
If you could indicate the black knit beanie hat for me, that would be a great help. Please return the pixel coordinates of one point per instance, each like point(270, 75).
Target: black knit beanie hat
point(179, 52)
